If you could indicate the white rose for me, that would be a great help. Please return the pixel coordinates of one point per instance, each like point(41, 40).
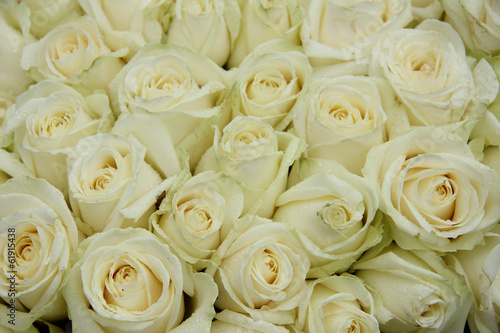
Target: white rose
point(477, 22)
point(263, 20)
point(37, 236)
point(14, 79)
point(126, 280)
point(341, 118)
point(48, 120)
point(227, 320)
point(208, 27)
point(262, 272)
point(115, 179)
point(417, 291)
point(74, 52)
point(195, 217)
point(357, 25)
point(253, 153)
point(333, 215)
point(269, 82)
point(340, 303)
point(433, 91)
point(180, 88)
point(436, 194)
point(129, 24)
point(481, 266)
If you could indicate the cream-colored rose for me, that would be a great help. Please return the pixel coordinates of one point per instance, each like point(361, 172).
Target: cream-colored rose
point(126, 280)
point(477, 22)
point(417, 290)
point(341, 118)
point(130, 23)
point(195, 217)
point(333, 215)
point(179, 87)
point(74, 52)
point(481, 266)
point(340, 303)
point(207, 26)
point(264, 20)
point(436, 194)
point(48, 120)
point(115, 179)
point(37, 236)
point(357, 25)
point(14, 79)
point(262, 272)
point(428, 69)
point(230, 321)
point(253, 153)
point(269, 82)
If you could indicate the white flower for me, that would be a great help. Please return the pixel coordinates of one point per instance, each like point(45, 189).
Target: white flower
point(434, 191)
point(196, 216)
point(48, 120)
point(264, 20)
point(342, 117)
point(333, 213)
point(357, 25)
point(477, 22)
point(428, 69)
point(111, 184)
point(178, 87)
point(207, 26)
point(417, 290)
point(129, 24)
point(269, 82)
point(37, 236)
point(339, 302)
point(262, 272)
point(251, 152)
point(69, 51)
point(126, 280)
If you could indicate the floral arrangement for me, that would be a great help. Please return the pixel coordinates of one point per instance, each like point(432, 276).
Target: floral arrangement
point(249, 166)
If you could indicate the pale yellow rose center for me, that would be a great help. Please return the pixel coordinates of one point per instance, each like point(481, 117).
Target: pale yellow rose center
point(437, 193)
point(430, 311)
point(158, 83)
point(266, 86)
point(131, 286)
point(56, 123)
point(30, 249)
point(249, 139)
point(344, 110)
point(104, 171)
point(198, 216)
point(267, 264)
point(68, 52)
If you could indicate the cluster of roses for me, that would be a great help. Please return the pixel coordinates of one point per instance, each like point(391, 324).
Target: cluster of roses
point(250, 166)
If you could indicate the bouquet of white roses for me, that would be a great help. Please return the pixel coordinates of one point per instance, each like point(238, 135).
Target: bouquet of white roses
point(249, 165)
